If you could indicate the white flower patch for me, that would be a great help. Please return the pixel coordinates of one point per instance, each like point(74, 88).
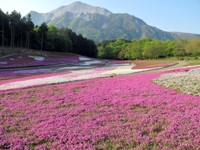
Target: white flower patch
point(122, 64)
point(91, 62)
point(184, 82)
point(81, 58)
point(34, 71)
point(74, 67)
point(3, 63)
point(39, 58)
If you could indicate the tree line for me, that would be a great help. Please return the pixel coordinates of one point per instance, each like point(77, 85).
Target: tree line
point(20, 32)
point(148, 48)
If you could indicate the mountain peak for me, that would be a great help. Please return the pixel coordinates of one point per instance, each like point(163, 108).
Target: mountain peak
point(79, 3)
point(79, 7)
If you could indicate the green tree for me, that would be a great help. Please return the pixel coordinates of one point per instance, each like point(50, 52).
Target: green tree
point(101, 48)
point(106, 53)
point(193, 47)
point(64, 32)
point(117, 46)
point(169, 47)
point(58, 39)
point(179, 48)
point(154, 49)
point(112, 49)
point(122, 54)
point(51, 37)
point(81, 45)
point(134, 50)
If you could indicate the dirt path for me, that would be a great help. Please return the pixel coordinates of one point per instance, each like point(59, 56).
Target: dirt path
point(179, 64)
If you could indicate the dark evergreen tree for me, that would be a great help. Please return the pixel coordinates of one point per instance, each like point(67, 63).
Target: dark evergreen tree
point(29, 28)
point(2, 23)
point(43, 30)
point(14, 22)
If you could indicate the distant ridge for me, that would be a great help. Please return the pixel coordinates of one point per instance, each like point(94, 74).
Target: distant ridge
point(100, 24)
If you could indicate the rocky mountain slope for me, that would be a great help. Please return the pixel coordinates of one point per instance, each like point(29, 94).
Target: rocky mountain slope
point(100, 24)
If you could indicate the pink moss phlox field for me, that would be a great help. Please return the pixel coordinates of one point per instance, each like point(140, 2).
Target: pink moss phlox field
point(28, 60)
point(124, 112)
point(34, 77)
point(13, 73)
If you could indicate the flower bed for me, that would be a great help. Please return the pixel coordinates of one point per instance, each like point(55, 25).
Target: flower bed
point(33, 60)
point(16, 60)
point(12, 74)
point(53, 78)
point(185, 82)
point(71, 62)
point(75, 62)
point(129, 112)
point(33, 77)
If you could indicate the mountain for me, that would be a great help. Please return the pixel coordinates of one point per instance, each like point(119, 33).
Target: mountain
point(75, 10)
point(100, 24)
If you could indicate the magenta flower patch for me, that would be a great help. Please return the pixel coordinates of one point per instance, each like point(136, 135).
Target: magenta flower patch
point(124, 112)
point(32, 60)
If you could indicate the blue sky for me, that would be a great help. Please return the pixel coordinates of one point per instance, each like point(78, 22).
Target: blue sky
point(167, 15)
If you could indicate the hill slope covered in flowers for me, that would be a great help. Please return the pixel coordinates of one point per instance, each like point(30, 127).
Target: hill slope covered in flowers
point(122, 112)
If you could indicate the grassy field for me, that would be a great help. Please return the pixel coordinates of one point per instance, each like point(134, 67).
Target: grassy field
point(193, 62)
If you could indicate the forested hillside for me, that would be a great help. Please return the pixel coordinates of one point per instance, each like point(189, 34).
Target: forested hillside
point(20, 32)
